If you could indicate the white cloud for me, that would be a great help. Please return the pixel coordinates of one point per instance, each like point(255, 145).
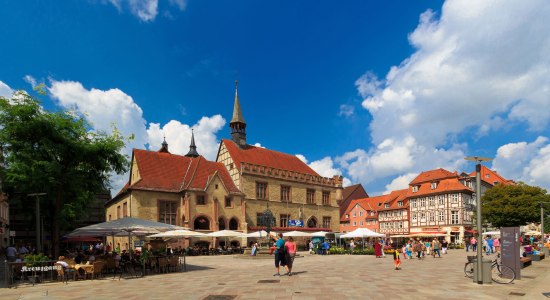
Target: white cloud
point(302, 158)
point(113, 106)
point(258, 145)
point(524, 161)
point(146, 10)
point(346, 110)
point(400, 182)
point(480, 65)
point(5, 90)
point(30, 80)
point(103, 108)
point(178, 136)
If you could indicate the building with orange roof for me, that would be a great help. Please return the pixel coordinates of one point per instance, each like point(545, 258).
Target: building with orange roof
point(232, 192)
point(350, 193)
point(362, 213)
point(440, 202)
point(281, 182)
point(393, 216)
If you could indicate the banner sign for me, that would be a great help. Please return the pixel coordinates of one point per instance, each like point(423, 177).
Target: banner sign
point(295, 223)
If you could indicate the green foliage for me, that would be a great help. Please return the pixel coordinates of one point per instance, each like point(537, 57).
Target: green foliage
point(55, 153)
point(35, 260)
point(356, 251)
point(513, 205)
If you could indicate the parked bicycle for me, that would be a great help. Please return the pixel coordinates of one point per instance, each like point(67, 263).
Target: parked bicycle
point(499, 273)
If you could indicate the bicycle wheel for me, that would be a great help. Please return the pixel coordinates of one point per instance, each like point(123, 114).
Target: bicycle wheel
point(502, 274)
point(469, 270)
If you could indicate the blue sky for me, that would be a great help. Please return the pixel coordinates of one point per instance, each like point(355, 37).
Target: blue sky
point(375, 91)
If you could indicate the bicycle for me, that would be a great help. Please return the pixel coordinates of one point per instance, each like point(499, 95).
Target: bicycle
point(499, 273)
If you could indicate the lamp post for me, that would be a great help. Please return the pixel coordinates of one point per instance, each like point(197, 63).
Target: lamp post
point(479, 264)
point(542, 218)
point(38, 227)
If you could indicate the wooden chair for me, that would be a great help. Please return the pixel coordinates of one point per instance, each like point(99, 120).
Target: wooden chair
point(174, 263)
point(110, 265)
point(96, 269)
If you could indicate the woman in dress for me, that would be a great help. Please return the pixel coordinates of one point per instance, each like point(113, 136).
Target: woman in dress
point(377, 249)
point(291, 253)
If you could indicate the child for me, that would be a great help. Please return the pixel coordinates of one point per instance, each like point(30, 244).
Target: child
point(396, 260)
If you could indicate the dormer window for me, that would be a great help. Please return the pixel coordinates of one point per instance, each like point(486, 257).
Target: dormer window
point(433, 185)
point(415, 188)
point(400, 203)
point(387, 205)
point(487, 175)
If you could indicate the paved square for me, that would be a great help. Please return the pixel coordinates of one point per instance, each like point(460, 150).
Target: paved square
point(318, 277)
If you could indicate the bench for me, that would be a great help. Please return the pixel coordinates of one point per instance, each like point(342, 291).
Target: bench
point(536, 257)
point(525, 262)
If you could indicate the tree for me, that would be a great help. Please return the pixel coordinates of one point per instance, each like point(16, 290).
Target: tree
point(513, 205)
point(55, 153)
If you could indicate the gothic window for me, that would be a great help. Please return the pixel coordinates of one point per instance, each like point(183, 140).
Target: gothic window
point(221, 223)
point(233, 224)
point(312, 222)
point(201, 223)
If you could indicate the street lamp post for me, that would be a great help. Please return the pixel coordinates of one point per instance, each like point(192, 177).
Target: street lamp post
point(479, 264)
point(38, 227)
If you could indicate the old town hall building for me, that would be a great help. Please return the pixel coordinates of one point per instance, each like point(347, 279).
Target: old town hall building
point(231, 193)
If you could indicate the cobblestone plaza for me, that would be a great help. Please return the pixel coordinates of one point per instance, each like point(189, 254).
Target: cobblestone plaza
point(317, 277)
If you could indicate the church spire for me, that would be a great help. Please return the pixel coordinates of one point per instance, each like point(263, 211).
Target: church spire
point(164, 147)
point(237, 124)
point(192, 148)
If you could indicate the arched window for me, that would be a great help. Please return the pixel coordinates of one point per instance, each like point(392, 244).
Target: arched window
point(201, 223)
point(312, 222)
point(233, 224)
point(221, 223)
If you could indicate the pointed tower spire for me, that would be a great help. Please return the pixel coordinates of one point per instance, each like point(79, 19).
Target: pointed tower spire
point(237, 124)
point(164, 147)
point(192, 148)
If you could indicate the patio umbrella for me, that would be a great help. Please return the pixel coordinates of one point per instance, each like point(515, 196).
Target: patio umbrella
point(296, 233)
point(362, 233)
point(258, 234)
point(532, 233)
point(177, 233)
point(225, 234)
point(319, 233)
point(491, 233)
point(126, 225)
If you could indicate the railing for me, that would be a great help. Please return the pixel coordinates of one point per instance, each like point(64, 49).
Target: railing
point(30, 272)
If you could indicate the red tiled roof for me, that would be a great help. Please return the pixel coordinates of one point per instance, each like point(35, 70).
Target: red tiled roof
point(266, 157)
point(444, 186)
point(394, 197)
point(372, 203)
point(491, 176)
point(173, 173)
point(350, 193)
point(432, 175)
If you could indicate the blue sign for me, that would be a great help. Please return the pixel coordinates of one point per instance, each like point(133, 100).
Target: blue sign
point(295, 223)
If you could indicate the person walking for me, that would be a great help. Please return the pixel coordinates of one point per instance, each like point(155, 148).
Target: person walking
point(280, 258)
point(409, 249)
point(428, 246)
point(473, 242)
point(396, 260)
point(418, 249)
point(436, 245)
point(444, 246)
point(467, 243)
point(490, 248)
point(351, 245)
point(291, 254)
point(11, 253)
point(496, 244)
point(377, 249)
